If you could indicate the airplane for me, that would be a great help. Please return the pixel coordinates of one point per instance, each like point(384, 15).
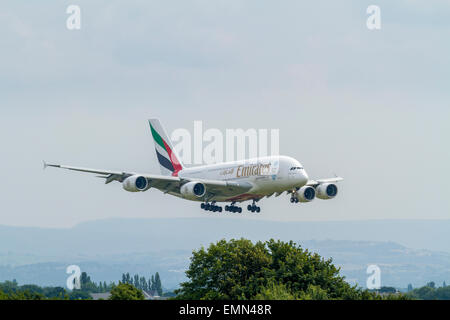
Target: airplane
point(227, 182)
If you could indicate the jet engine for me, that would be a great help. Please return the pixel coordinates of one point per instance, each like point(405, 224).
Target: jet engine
point(193, 190)
point(326, 191)
point(305, 194)
point(135, 183)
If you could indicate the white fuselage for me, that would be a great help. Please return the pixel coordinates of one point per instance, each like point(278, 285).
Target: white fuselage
point(267, 175)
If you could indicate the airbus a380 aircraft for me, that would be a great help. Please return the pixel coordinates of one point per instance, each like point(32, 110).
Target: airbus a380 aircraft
point(229, 182)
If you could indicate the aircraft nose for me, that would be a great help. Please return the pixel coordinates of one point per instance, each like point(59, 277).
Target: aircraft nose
point(304, 176)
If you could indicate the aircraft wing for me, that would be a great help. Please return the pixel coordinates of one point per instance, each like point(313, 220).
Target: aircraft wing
point(156, 181)
point(166, 183)
point(103, 172)
point(315, 183)
point(213, 187)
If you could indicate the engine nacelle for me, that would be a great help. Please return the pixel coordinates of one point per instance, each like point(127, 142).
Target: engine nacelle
point(326, 191)
point(135, 183)
point(305, 194)
point(193, 190)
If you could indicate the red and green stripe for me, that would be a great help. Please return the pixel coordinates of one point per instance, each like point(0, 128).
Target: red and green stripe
point(172, 162)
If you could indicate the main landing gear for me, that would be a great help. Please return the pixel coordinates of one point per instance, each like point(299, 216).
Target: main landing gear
point(233, 208)
point(211, 207)
point(230, 208)
point(253, 207)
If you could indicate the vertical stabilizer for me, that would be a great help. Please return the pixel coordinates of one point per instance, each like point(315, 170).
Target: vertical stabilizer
point(167, 158)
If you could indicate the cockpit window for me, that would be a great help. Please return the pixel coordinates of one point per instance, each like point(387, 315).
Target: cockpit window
point(296, 168)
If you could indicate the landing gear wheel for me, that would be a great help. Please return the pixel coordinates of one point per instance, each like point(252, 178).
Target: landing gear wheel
point(258, 209)
point(233, 208)
point(202, 206)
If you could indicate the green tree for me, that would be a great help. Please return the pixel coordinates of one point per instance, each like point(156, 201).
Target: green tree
point(158, 285)
point(239, 269)
point(84, 279)
point(143, 284)
point(387, 290)
point(314, 293)
point(126, 291)
point(87, 285)
point(153, 284)
point(236, 269)
point(21, 295)
point(136, 282)
point(429, 293)
point(79, 295)
point(274, 291)
point(3, 296)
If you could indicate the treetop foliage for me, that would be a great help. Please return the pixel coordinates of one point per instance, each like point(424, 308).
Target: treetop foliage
point(153, 286)
point(240, 269)
point(430, 292)
point(126, 291)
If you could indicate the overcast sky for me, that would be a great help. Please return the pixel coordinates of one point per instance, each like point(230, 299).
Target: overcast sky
point(371, 106)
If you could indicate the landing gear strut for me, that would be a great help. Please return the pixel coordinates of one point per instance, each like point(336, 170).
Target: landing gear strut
point(293, 197)
point(253, 207)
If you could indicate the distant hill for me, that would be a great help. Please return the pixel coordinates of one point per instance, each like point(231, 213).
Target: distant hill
point(399, 265)
point(123, 235)
point(106, 248)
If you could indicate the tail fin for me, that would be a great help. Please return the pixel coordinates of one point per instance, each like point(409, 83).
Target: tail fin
point(167, 158)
